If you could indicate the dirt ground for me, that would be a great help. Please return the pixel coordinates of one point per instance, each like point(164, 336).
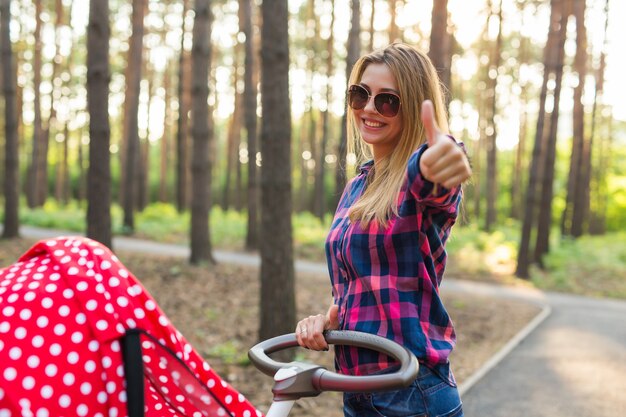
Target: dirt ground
point(216, 308)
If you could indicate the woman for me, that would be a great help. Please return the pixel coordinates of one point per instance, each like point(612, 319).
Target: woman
point(386, 246)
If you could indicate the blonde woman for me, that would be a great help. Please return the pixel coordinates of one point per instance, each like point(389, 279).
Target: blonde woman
point(386, 246)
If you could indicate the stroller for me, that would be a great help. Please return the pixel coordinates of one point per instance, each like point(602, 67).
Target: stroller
point(80, 336)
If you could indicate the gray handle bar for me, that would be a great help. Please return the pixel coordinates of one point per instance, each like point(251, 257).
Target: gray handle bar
point(324, 380)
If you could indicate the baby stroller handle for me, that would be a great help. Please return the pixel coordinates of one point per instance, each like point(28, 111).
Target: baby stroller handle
point(324, 380)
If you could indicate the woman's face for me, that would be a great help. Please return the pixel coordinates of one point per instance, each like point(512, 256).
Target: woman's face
point(380, 132)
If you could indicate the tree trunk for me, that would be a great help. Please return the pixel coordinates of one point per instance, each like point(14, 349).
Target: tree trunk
point(52, 119)
point(547, 180)
point(530, 212)
point(597, 216)
point(320, 167)
point(492, 151)
point(354, 51)
point(394, 31)
point(143, 170)
point(165, 139)
point(132, 159)
point(35, 178)
point(82, 175)
point(520, 152)
point(580, 200)
point(98, 77)
point(233, 135)
point(201, 134)
point(182, 142)
point(65, 193)
point(372, 30)
point(440, 44)
point(11, 149)
point(250, 107)
point(277, 304)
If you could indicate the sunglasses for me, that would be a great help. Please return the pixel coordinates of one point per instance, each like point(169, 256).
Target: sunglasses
point(387, 104)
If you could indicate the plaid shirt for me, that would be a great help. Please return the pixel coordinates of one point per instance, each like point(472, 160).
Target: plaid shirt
point(386, 281)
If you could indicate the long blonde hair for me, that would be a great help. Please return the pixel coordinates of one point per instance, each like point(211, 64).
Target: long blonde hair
point(417, 81)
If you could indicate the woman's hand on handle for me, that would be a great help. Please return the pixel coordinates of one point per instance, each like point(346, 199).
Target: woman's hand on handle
point(310, 331)
point(444, 162)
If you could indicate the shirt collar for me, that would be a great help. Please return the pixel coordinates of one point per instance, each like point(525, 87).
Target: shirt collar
point(366, 167)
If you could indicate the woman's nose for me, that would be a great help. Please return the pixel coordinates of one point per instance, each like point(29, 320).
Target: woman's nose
point(369, 106)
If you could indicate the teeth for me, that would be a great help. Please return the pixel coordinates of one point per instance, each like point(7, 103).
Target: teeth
point(372, 123)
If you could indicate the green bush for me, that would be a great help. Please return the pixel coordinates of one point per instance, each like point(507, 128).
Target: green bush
point(51, 215)
point(590, 265)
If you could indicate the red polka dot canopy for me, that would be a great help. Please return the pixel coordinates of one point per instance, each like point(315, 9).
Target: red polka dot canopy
point(80, 336)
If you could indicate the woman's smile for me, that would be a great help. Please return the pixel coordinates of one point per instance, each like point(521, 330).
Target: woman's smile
point(372, 123)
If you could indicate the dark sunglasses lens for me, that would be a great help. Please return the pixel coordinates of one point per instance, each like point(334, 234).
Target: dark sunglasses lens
point(357, 97)
point(387, 104)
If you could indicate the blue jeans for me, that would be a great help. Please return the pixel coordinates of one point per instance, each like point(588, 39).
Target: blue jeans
point(428, 396)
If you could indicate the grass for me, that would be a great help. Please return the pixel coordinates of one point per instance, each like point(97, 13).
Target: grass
point(591, 265)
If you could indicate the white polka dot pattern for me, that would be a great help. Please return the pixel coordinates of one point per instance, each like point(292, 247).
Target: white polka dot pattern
point(63, 308)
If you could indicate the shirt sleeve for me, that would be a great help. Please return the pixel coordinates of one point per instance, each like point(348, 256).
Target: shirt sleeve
point(426, 192)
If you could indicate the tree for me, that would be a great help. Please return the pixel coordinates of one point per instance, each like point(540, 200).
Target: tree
point(320, 173)
point(62, 192)
point(278, 306)
point(492, 150)
point(52, 119)
point(520, 152)
point(165, 139)
point(440, 43)
point(35, 176)
point(182, 142)
point(354, 50)
point(530, 213)
point(98, 77)
point(394, 30)
point(250, 119)
point(575, 213)
point(546, 176)
point(307, 142)
point(233, 135)
point(201, 134)
point(11, 154)
point(597, 216)
point(133, 81)
point(372, 29)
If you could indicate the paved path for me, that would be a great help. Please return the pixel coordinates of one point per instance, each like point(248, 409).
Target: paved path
point(570, 361)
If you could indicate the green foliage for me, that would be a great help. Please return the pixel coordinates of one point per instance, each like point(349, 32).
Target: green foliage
point(161, 221)
point(230, 352)
point(52, 215)
point(616, 209)
point(476, 251)
point(228, 228)
point(590, 265)
point(310, 235)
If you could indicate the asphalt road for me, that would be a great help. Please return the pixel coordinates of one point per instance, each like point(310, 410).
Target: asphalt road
point(572, 364)
point(570, 361)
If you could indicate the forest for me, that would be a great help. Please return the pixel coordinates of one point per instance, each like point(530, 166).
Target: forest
point(113, 106)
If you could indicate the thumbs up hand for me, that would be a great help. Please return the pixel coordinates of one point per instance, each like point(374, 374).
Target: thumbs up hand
point(444, 162)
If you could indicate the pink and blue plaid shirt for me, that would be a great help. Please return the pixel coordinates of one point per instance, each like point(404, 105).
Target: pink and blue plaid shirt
point(386, 281)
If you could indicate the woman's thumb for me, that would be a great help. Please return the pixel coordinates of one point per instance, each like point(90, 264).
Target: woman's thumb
point(428, 119)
